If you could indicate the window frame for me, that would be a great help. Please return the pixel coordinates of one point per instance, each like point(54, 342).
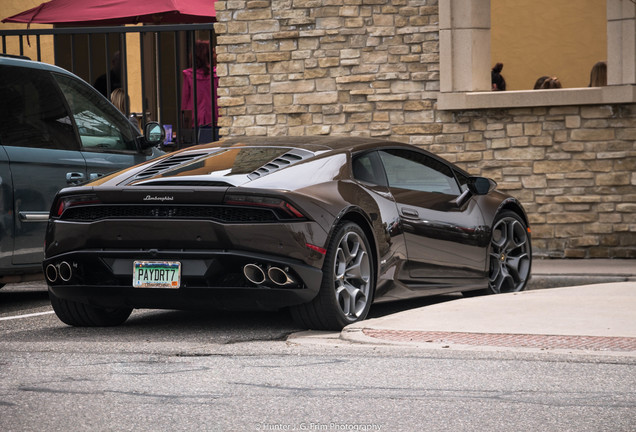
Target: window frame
point(465, 62)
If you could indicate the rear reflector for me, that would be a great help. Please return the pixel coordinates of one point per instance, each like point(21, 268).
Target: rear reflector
point(318, 249)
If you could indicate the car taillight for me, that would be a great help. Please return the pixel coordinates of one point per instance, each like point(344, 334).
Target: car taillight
point(266, 202)
point(73, 201)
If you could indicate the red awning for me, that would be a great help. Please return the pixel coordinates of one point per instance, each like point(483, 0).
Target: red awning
point(116, 12)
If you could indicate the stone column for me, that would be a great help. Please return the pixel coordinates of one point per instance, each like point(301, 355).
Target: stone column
point(621, 42)
point(464, 45)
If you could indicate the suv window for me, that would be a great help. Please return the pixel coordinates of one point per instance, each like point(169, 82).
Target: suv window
point(32, 112)
point(411, 170)
point(101, 127)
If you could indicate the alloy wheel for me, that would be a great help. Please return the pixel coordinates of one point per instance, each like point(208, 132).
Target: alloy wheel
point(352, 276)
point(509, 255)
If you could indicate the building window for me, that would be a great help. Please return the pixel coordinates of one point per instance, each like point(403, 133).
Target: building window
point(465, 61)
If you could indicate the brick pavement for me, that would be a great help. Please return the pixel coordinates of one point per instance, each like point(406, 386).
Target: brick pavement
point(594, 343)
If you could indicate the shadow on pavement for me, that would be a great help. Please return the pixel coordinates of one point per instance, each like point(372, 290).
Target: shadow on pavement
point(382, 309)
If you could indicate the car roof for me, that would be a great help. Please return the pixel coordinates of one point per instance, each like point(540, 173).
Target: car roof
point(25, 62)
point(321, 143)
point(311, 143)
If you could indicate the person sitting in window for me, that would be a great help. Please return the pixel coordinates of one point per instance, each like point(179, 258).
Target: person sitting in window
point(598, 75)
point(551, 83)
point(498, 81)
point(539, 82)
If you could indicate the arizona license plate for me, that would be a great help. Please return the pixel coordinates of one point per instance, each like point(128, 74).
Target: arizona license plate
point(156, 274)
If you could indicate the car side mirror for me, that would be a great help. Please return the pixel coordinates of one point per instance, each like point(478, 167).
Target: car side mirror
point(475, 186)
point(154, 135)
point(480, 185)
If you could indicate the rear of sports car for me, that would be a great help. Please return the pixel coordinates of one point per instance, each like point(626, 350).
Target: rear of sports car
point(184, 233)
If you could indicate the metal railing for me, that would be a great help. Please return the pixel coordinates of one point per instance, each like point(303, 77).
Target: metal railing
point(164, 51)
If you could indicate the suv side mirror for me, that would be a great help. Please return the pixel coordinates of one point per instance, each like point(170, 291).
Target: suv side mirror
point(154, 135)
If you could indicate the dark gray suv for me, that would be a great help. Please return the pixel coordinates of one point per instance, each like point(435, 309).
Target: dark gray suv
point(55, 131)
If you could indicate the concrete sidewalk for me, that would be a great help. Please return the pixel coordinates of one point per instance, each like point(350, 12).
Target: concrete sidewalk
point(595, 317)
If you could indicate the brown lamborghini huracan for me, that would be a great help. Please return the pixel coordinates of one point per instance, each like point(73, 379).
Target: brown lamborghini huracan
point(324, 226)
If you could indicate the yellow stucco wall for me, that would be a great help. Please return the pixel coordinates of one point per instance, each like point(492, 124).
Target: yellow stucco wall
point(12, 7)
point(134, 71)
point(562, 38)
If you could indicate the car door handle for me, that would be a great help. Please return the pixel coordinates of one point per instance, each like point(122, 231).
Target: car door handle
point(95, 176)
point(75, 177)
point(410, 213)
point(33, 216)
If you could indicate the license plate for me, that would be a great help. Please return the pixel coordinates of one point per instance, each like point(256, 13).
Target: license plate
point(156, 274)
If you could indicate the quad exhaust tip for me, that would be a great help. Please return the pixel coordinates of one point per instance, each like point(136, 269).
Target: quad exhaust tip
point(63, 271)
point(254, 273)
point(276, 275)
point(279, 276)
point(51, 273)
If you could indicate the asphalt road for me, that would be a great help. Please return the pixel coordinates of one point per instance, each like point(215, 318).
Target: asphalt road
point(166, 370)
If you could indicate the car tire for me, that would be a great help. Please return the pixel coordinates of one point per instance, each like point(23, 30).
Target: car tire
point(510, 254)
point(83, 315)
point(348, 283)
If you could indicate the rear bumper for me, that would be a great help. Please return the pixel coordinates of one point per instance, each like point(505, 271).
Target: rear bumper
point(209, 279)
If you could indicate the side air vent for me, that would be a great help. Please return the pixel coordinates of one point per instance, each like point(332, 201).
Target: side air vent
point(282, 161)
point(167, 163)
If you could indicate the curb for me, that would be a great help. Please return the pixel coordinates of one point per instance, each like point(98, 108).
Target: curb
point(545, 281)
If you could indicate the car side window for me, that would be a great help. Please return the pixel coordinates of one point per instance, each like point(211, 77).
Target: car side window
point(368, 168)
point(101, 127)
point(32, 111)
point(411, 170)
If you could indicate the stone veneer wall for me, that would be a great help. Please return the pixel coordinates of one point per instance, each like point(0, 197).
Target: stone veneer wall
point(371, 68)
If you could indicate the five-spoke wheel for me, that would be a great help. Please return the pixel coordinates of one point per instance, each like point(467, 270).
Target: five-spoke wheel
point(352, 275)
point(510, 254)
point(347, 286)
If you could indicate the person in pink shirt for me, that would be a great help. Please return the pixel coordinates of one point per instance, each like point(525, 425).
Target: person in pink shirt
point(203, 91)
